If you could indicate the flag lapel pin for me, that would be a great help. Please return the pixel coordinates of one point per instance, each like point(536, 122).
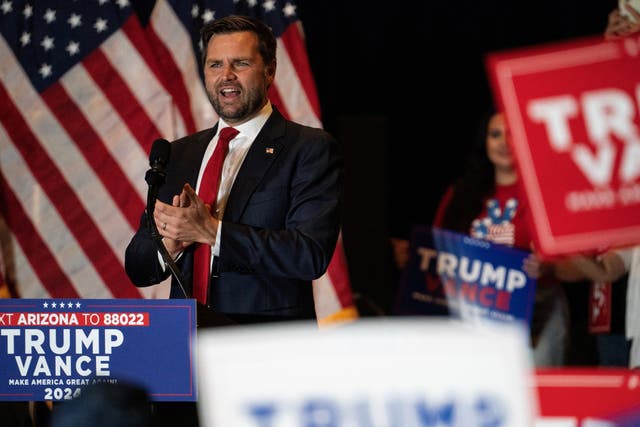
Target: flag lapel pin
point(269, 150)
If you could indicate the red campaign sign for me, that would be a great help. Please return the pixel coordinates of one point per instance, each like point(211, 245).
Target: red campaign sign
point(573, 112)
point(580, 395)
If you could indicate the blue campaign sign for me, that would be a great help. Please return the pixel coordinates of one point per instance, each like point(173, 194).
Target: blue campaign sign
point(454, 274)
point(51, 348)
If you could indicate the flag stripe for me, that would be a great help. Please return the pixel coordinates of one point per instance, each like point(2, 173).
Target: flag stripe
point(68, 204)
point(22, 198)
point(118, 93)
point(340, 275)
point(177, 89)
point(324, 296)
point(109, 172)
point(172, 73)
point(274, 97)
point(44, 263)
point(133, 58)
point(291, 91)
point(167, 30)
point(294, 44)
point(24, 282)
point(35, 222)
point(104, 119)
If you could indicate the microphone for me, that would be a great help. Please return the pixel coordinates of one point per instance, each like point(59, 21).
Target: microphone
point(155, 177)
point(160, 153)
point(158, 159)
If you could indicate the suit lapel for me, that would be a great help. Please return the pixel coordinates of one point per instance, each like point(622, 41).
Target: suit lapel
point(263, 152)
point(194, 156)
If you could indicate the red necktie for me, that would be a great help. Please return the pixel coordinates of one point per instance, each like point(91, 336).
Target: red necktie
point(208, 192)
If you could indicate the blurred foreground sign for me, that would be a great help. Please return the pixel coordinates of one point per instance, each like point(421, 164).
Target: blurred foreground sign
point(388, 372)
point(572, 109)
point(588, 397)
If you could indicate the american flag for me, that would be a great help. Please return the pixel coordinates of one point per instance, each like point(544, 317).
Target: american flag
point(86, 86)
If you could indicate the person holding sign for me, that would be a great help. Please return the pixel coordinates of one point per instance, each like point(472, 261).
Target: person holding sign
point(251, 238)
point(609, 267)
point(487, 203)
point(622, 21)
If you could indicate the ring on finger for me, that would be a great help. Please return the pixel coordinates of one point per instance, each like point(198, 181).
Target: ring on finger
point(164, 226)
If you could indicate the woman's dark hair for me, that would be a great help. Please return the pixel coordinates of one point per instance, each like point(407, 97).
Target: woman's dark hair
point(238, 23)
point(475, 184)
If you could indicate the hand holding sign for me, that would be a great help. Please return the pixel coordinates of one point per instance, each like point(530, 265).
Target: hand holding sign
point(624, 20)
point(470, 278)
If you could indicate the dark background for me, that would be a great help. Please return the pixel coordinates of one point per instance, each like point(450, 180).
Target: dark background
point(402, 86)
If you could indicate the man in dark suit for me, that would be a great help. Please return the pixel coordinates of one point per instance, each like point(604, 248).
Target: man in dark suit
point(275, 223)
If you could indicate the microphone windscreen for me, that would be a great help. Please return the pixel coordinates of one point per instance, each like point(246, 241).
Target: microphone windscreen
point(160, 152)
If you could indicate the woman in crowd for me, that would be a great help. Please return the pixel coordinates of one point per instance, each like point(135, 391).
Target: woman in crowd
point(486, 202)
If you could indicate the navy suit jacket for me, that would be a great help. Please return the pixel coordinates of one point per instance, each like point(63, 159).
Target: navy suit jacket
point(280, 225)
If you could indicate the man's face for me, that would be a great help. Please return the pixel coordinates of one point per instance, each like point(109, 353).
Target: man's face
point(236, 77)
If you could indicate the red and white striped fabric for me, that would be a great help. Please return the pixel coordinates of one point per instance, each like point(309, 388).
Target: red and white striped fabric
point(86, 90)
point(5, 292)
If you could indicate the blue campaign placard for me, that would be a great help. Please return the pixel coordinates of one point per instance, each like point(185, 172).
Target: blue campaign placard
point(51, 348)
point(455, 274)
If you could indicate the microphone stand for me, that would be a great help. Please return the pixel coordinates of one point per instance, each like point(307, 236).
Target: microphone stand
point(155, 178)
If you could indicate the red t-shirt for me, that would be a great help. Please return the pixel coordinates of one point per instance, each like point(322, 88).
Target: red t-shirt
point(505, 218)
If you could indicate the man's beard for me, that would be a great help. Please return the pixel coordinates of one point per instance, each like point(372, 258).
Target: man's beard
point(246, 109)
